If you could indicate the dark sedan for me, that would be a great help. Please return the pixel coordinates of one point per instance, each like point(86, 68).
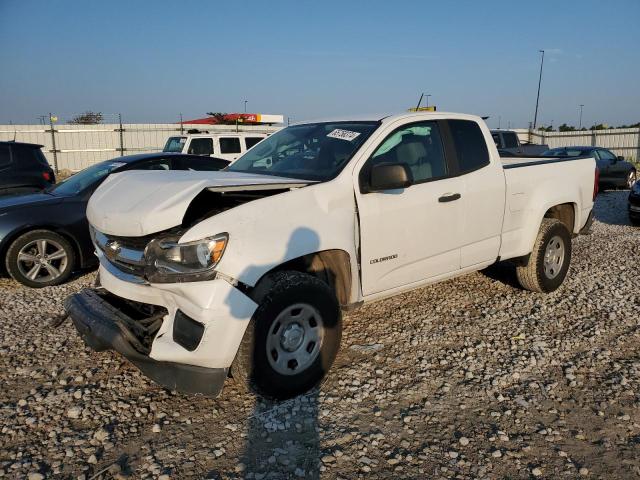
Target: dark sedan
point(23, 168)
point(44, 236)
point(614, 171)
point(634, 204)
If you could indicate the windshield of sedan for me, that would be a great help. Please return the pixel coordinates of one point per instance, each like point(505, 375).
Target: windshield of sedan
point(313, 151)
point(85, 178)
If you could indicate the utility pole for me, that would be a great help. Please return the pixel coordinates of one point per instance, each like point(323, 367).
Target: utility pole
point(535, 117)
point(580, 127)
point(245, 106)
point(53, 144)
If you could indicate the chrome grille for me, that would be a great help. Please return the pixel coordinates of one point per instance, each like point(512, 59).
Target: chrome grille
point(125, 253)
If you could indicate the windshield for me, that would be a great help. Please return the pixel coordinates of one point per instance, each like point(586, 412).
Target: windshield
point(174, 144)
point(85, 178)
point(564, 152)
point(313, 151)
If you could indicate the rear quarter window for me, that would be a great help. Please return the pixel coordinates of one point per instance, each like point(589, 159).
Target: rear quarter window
point(251, 141)
point(229, 145)
point(470, 145)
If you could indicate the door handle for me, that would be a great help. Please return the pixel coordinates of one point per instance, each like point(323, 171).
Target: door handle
point(449, 197)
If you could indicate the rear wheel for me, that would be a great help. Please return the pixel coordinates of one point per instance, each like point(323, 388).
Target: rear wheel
point(292, 339)
point(549, 261)
point(40, 258)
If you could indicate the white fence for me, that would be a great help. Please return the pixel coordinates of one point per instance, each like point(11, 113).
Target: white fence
point(78, 146)
point(621, 141)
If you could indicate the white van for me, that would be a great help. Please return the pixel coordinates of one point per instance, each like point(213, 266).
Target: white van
point(228, 146)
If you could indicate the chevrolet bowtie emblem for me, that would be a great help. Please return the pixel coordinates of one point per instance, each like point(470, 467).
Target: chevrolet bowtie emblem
point(112, 249)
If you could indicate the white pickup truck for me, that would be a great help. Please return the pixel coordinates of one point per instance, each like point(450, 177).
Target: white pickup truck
point(247, 271)
point(226, 145)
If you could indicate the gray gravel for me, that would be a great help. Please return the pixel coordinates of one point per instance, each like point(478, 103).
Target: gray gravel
point(471, 378)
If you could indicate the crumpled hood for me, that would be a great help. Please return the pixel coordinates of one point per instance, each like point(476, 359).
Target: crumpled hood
point(138, 203)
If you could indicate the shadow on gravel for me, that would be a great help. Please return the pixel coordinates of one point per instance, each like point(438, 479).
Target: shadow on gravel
point(611, 207)
point(283, 437)
point(503, 272)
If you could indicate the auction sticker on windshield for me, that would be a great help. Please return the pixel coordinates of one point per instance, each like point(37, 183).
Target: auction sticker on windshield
point(347, 135)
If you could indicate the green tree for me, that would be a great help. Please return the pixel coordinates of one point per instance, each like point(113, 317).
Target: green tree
point(221, 118)
point(566, 128)
point(86, 118)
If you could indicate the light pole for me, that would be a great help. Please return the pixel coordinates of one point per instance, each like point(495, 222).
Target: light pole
point(580, 127)
point(245, 106)
point(535, 117)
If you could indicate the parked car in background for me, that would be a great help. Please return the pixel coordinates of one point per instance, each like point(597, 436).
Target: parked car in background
point(634, 204)
point(23, 168)
point(44, 236)
point(615, 171)
point(507, 142)
point(222, 145)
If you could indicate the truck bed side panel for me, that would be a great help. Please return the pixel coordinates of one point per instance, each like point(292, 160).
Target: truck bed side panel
point(533, 187)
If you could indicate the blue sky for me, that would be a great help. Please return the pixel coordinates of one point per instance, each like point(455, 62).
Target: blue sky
point(152, 60)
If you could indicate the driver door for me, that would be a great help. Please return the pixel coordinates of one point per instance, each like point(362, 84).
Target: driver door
point(413, 234)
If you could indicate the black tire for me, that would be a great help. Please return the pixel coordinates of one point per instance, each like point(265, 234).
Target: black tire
point(533, 276)
point(635, 221)
point(252, 367)
point(45, 277)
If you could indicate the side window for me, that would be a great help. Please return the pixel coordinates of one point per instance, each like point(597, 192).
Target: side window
point(470, 145)
point(153, 164)
point(5, 156)
point(496, 140)
point(201, 146)
point(510, 140)
point(419, 146)
point(251, 141)
point(229, 145)
point(606, 155)
point(204, 164)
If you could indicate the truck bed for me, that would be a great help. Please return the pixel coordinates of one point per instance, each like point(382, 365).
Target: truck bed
point(516, 162)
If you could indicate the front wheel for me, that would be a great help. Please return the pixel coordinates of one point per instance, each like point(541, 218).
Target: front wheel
point(293, 337)
point(549, 261)
point(40, 258)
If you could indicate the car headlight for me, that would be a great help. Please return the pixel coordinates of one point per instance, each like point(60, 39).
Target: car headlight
point(168, 261)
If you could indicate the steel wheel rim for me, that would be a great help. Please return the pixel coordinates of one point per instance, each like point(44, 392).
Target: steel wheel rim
point(42, 260)
point(554, 257)
point(295, 339)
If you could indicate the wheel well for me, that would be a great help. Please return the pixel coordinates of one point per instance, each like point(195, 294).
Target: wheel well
point(331, 266)
point(12, 237)
point(565, 213)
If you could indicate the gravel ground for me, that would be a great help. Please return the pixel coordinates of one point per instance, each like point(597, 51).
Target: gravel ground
point(470, 378)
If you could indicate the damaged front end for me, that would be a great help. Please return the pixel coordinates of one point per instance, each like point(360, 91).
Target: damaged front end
point(107, 322)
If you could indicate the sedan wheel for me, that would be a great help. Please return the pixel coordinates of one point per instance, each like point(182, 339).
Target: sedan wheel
point(40, 258)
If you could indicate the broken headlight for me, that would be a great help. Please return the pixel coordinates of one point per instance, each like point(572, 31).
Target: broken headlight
point(168, 261)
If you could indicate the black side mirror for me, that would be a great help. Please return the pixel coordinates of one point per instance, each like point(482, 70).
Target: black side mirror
point(390, 176)
point(620, 158)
